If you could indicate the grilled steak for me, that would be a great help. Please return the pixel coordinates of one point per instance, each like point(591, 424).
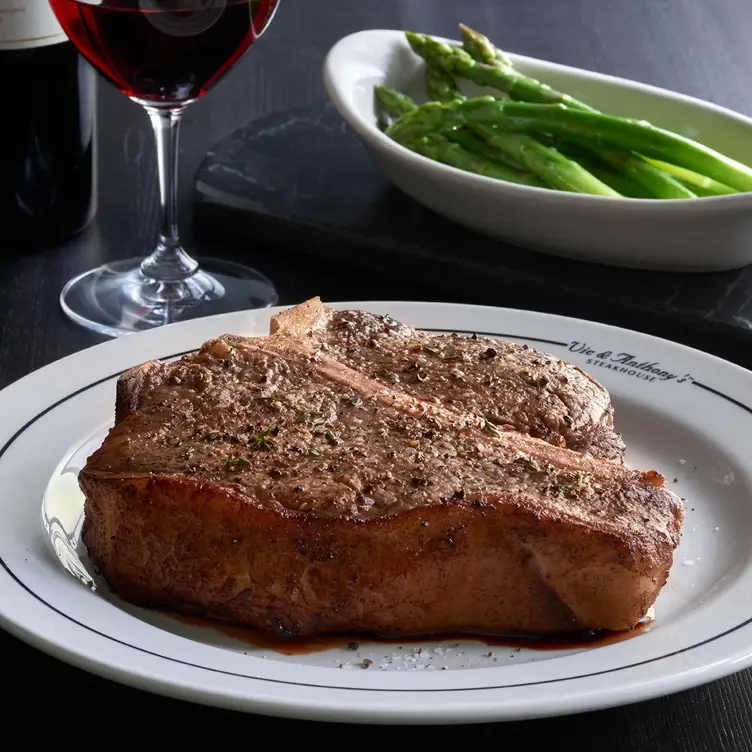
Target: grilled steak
point(514, 386)
point(264, 482)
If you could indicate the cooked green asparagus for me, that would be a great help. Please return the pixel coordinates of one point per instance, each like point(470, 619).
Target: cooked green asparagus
point(441, 86)
point(702, 185)
point(655, 183)
point(551, 166)
point(560, 120)
point(590, 161)
point(468, 140)
point(441, 149)
point(481, 48)
point(658, 182)
point(543, 137)
point(521, 151)
point(478, 158)
point(391, 104)
point(459, 63)
point(548, 164)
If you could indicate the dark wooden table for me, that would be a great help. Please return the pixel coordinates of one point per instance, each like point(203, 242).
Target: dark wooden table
point(700, 49)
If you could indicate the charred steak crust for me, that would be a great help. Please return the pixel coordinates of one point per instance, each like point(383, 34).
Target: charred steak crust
point(263, 482)
point(514, 386)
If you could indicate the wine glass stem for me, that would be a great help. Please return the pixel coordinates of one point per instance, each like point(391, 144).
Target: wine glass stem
point(168, 262)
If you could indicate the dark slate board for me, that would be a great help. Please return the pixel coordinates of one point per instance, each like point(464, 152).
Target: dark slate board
point(300, 180)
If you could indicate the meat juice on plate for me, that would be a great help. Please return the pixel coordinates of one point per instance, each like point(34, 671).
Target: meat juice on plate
point(163, 50)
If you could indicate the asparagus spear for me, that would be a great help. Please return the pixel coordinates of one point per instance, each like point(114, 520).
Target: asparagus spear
point(440, 149)
point(617, 180)
point(548, 164)
point(473, 143)
point(442, 87)
point(391, 104)
point(657, 183)
point(538, 158)
point(394, 102)
point(560, 120)
point(645, 174)
point(700, 184)
point(459, 63)
point(480, 47)
point(699, 190)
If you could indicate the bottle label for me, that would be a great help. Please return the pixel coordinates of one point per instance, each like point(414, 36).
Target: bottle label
point(28, 23)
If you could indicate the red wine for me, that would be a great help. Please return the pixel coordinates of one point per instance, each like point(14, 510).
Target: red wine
point(163, 50)
point(47, 130)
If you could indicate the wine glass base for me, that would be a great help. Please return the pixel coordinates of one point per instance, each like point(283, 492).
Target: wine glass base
point(117, 299)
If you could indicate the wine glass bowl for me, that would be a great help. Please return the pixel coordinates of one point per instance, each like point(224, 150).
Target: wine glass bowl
point(163, 54)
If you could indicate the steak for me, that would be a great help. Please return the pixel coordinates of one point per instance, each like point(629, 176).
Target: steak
point(514, 386)
point(267, 482)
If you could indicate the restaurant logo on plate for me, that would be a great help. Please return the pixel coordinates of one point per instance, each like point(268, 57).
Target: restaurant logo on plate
point(628, 363)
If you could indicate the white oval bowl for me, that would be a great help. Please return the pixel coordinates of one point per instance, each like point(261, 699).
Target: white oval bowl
point(689, 235)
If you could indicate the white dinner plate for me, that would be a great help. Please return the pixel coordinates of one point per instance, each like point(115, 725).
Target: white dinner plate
point(681, 412)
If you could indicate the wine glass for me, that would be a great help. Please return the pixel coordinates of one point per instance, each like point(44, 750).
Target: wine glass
point(163, 54)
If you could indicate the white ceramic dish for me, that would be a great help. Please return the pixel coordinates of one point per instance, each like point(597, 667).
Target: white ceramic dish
point(679, 235)
point(681, 412)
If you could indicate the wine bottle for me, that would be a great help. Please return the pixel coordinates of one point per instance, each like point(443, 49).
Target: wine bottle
point(47, 130)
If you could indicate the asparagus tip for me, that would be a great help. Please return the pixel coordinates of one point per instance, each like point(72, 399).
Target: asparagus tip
point(468, 34)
